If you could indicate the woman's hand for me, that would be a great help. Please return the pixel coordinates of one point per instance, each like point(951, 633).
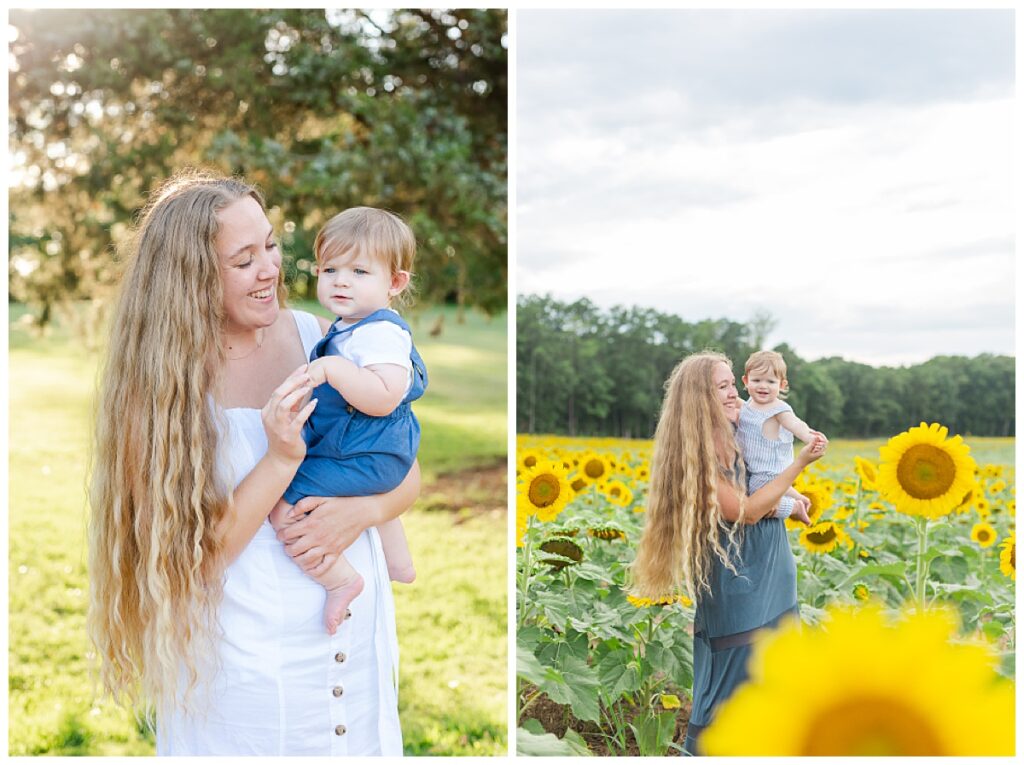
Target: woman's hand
point(284, 415)
point(330, 526)
point(811, 452)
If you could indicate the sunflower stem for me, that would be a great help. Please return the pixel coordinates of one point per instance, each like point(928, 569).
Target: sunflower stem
point(922, 548)
point(524, 576)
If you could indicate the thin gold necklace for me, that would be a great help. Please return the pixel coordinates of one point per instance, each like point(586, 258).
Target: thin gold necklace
point(259, 344)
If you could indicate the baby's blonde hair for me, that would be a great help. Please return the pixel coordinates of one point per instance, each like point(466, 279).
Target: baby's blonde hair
point(770, 361)
point(380, 234)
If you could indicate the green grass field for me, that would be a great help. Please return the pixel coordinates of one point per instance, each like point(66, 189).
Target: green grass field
point(451, 622)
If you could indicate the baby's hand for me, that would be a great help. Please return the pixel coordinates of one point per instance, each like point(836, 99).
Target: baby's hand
point(318, 371)
point(819, 436)
point(279, 515)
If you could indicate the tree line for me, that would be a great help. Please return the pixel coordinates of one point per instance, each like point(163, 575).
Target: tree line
point(584, 371)
point(323, 110)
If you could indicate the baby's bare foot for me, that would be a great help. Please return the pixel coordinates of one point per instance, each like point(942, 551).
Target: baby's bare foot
point(338, 600)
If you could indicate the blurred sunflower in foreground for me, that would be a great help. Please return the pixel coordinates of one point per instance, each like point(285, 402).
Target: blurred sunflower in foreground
point(896, 690)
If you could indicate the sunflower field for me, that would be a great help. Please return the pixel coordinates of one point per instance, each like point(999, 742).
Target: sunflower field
point(914, 537)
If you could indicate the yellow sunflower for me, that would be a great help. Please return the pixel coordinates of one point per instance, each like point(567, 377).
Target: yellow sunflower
point(898, 690)
point(642, 472)
point(594, 467)
point(997, 487)
point(867, 472)
point(983, 508)
point(861, 592)
point(544, 490)
point(529, 457)
point(969, 498)
point(617, 493)
point(578, 483)
point(607, 531)
point(522, 519)
point(570, 553)
point(924, 473)
point(843, 512)
point(664, 600)
point(983, 534)
point(824, 537)
point(821, 500)
point(1008, 556)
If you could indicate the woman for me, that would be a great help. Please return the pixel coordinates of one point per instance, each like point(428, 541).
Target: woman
point(702, 531)
point(195, 606)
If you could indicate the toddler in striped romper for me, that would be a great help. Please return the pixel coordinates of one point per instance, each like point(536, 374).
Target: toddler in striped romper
point(766, 429)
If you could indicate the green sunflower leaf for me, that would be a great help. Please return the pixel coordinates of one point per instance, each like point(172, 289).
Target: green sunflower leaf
point(533, 743)
point(618, 674)
point(574, 683)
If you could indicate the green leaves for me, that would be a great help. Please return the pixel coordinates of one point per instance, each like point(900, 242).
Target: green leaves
point(533, 741)
point(574, 683)
point(323, 110)
point(653, 733)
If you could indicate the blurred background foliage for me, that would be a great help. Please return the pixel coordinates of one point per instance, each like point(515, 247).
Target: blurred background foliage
point(324, 110)
point(584, 370)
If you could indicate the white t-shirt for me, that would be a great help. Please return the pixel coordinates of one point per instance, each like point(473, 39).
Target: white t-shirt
point(379, 342)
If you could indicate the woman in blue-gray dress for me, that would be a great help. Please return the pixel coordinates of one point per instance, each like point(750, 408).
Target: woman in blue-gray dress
point(704, 533)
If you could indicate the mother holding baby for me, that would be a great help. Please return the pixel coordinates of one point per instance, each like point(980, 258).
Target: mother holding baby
point(197, 609)
point(705, 534)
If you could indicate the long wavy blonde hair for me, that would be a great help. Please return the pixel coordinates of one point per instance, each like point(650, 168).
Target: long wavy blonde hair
point(155, 562)
point(683, 518)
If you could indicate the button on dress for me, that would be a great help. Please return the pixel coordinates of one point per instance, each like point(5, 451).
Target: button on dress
point(283, 685)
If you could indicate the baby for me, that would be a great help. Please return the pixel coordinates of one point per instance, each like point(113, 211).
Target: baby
point(362, 437)
point(766, 429)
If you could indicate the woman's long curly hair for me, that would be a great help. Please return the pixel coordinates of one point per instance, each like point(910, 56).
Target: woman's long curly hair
point(683, 519)
point(155, 561)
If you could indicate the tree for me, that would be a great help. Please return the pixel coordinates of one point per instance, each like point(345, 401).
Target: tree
point(324, 110)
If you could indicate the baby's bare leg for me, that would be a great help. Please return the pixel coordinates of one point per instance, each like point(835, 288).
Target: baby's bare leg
point(341, 581)
point(396, 551)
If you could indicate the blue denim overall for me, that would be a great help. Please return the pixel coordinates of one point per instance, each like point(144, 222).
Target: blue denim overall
point(352, 454)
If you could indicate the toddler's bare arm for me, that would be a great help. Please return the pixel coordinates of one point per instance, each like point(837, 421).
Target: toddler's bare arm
point(796, 426)
point(375, 389)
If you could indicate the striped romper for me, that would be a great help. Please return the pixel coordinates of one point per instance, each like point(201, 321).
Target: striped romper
point(763, 458)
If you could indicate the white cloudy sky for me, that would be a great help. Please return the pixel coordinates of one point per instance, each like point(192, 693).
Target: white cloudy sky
point(848, 171)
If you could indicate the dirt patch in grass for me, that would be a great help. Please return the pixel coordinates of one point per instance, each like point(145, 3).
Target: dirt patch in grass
point(482, 489)
point(557, 718)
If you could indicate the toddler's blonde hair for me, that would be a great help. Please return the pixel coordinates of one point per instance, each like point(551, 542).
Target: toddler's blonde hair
point(380, 234)
point(771, 361)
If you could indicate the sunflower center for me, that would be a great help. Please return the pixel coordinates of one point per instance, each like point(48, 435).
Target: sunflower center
point(594, 468)
point(867, 726)
point(578, 484)
point(926, 471)
point(543, 490)
point(983, 535)
point(822, 537)
point(1013, 557)
point(615, 491)
point(529, 460)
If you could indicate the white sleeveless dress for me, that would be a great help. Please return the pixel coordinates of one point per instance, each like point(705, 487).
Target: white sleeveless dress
point(284, 686)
